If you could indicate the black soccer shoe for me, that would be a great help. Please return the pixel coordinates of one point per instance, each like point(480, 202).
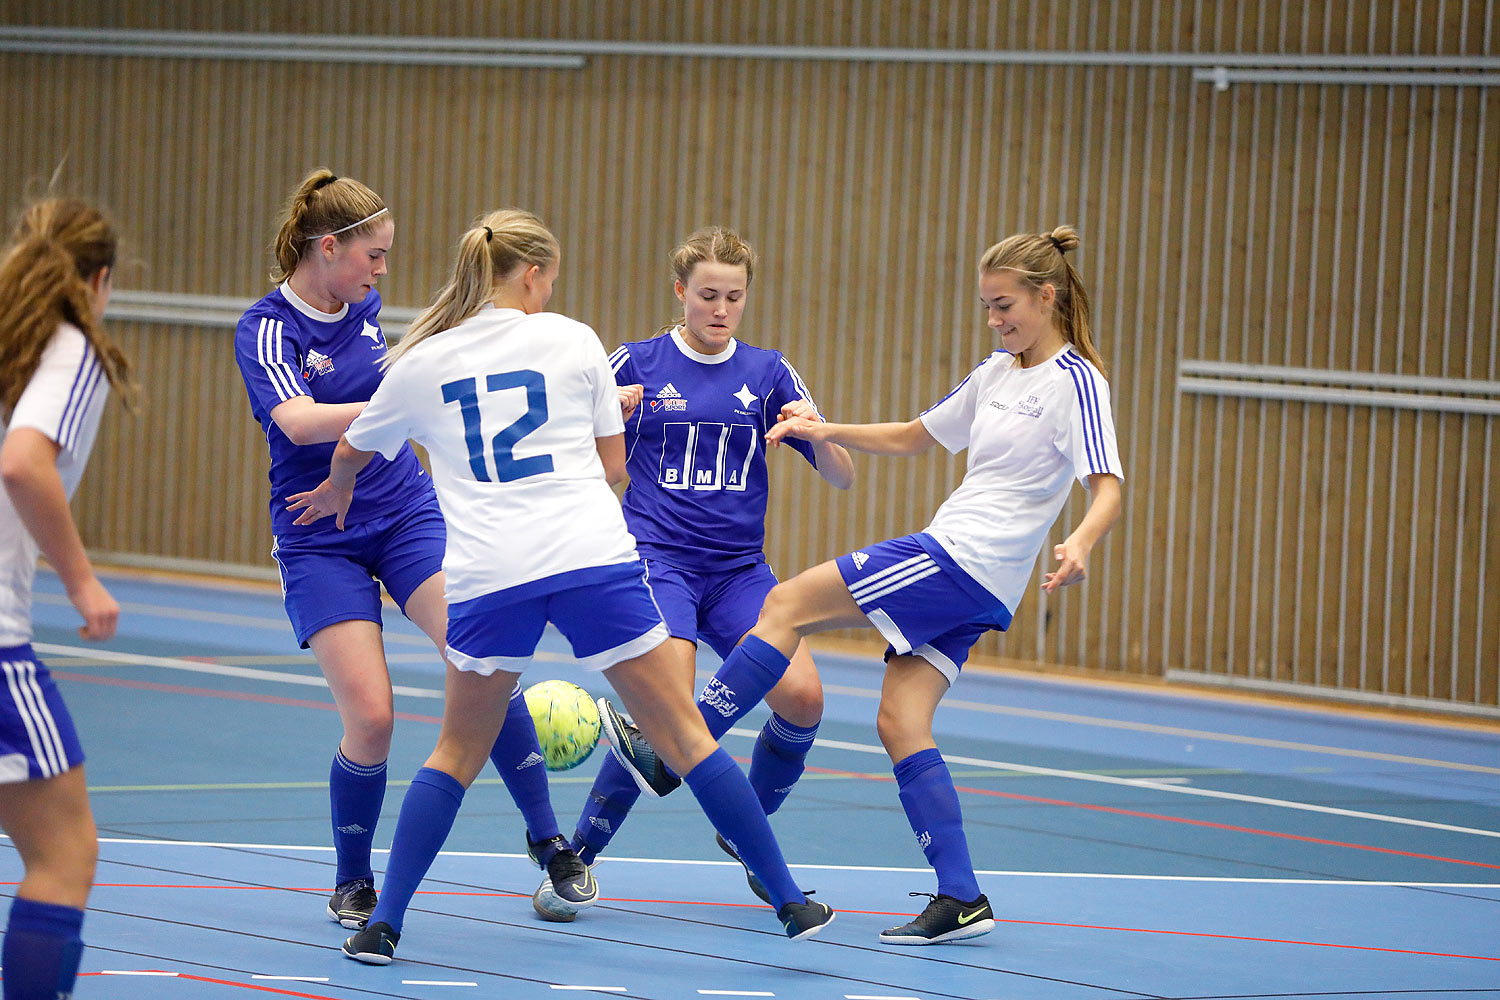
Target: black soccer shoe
point(945, 919)
point(803, 920)
point(352, 903)
point(534, 848)
point(634, 751)
point(375, 945)
point(756, 885)
point(568, 888)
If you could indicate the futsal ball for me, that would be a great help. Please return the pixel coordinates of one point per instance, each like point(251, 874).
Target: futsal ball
point(567, 722)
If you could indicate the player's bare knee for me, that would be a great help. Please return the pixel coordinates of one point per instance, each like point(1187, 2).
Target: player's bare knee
point(899, 732)
point(798, 699)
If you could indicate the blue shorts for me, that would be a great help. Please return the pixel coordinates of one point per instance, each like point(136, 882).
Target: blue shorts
point(718, 608)
point(37, 738)
point(606, 613)
point(921, 600)
point(329, 576)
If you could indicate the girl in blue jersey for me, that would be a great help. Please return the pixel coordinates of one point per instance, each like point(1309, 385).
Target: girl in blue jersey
point(696, 504)
point(311, 355)
point(519, 413)
point(56, 367)
point(1033, 416)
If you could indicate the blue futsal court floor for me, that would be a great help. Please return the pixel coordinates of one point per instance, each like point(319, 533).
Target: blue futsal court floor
point(1134, 843)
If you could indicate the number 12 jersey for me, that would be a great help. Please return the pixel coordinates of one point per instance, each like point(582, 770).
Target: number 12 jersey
point(508, 406)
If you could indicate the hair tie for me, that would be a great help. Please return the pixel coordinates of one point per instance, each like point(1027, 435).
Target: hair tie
point(320, 185)
point(489, 234)
point(1056, 243)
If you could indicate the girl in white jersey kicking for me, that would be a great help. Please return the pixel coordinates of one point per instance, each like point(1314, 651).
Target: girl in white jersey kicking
point(56, 367)
point(1033, 416)
point(519, 413)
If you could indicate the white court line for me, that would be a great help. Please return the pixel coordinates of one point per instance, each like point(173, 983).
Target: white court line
point(600, 989)
point(998, 872)
point(1153, 785)
point(278, 624)
point(1146, 783)
point(294, 979)
point(217, 669)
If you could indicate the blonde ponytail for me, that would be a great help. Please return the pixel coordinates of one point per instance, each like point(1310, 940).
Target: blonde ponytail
point(488, 252)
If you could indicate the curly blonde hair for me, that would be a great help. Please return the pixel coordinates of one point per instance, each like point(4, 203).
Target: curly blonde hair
point(58, 246)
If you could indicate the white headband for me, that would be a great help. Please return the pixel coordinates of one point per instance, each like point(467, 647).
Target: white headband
point(352, 225)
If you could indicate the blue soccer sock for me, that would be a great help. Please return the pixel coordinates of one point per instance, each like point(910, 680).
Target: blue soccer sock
point(427, 815)
point(931, 804)
point(747, 674)
point(356, 791)
point(518, 757)
point(608, 804)
point(779, 758)
point(729, 803)
point(43, 945)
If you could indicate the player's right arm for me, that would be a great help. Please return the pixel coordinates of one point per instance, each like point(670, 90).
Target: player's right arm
point(898, 438)
point(28, 466)
point(269, 357)
point(306, 422)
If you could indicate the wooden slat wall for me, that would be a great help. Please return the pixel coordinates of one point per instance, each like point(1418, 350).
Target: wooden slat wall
point(1326, 226)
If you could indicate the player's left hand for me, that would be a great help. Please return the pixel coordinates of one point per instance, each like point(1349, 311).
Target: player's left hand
point(319, 503)
point(630, 399)
point(798, 408)
point(1071, 557)
point(795, 419)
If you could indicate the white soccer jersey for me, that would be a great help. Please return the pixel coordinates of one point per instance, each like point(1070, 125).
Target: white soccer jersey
point(1029, 432)
point(64, 400)
point(508, 406)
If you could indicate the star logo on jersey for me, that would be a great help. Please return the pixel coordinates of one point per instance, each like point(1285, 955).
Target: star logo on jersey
point(859, 560)
point(745, 396)
point(373, 332)
point(317, 364)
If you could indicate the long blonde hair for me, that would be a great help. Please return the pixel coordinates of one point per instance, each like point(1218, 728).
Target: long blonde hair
point(58, 246)
point(488, 251)
point(1041, 259)
point(712, 243)
point(323, 204)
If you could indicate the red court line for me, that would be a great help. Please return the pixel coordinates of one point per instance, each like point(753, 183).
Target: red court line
point(329, 707)
point(266, 699)
point(877, 913)
point(1237, 937)
point(230, 982)
point(1174, 819)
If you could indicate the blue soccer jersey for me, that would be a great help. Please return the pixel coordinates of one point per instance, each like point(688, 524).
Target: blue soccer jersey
point(696, 448)
point(287, 348)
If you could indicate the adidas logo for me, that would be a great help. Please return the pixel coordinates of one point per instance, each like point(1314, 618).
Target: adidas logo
point(532, 760)
point(353, 829)
point(669, 391)
point(600, 823)
point(924, 840)
point(859, 560)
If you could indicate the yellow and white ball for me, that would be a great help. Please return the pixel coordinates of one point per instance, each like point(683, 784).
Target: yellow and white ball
point(567, 722)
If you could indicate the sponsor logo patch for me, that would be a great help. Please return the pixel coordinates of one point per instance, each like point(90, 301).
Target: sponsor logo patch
point(317, 364)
